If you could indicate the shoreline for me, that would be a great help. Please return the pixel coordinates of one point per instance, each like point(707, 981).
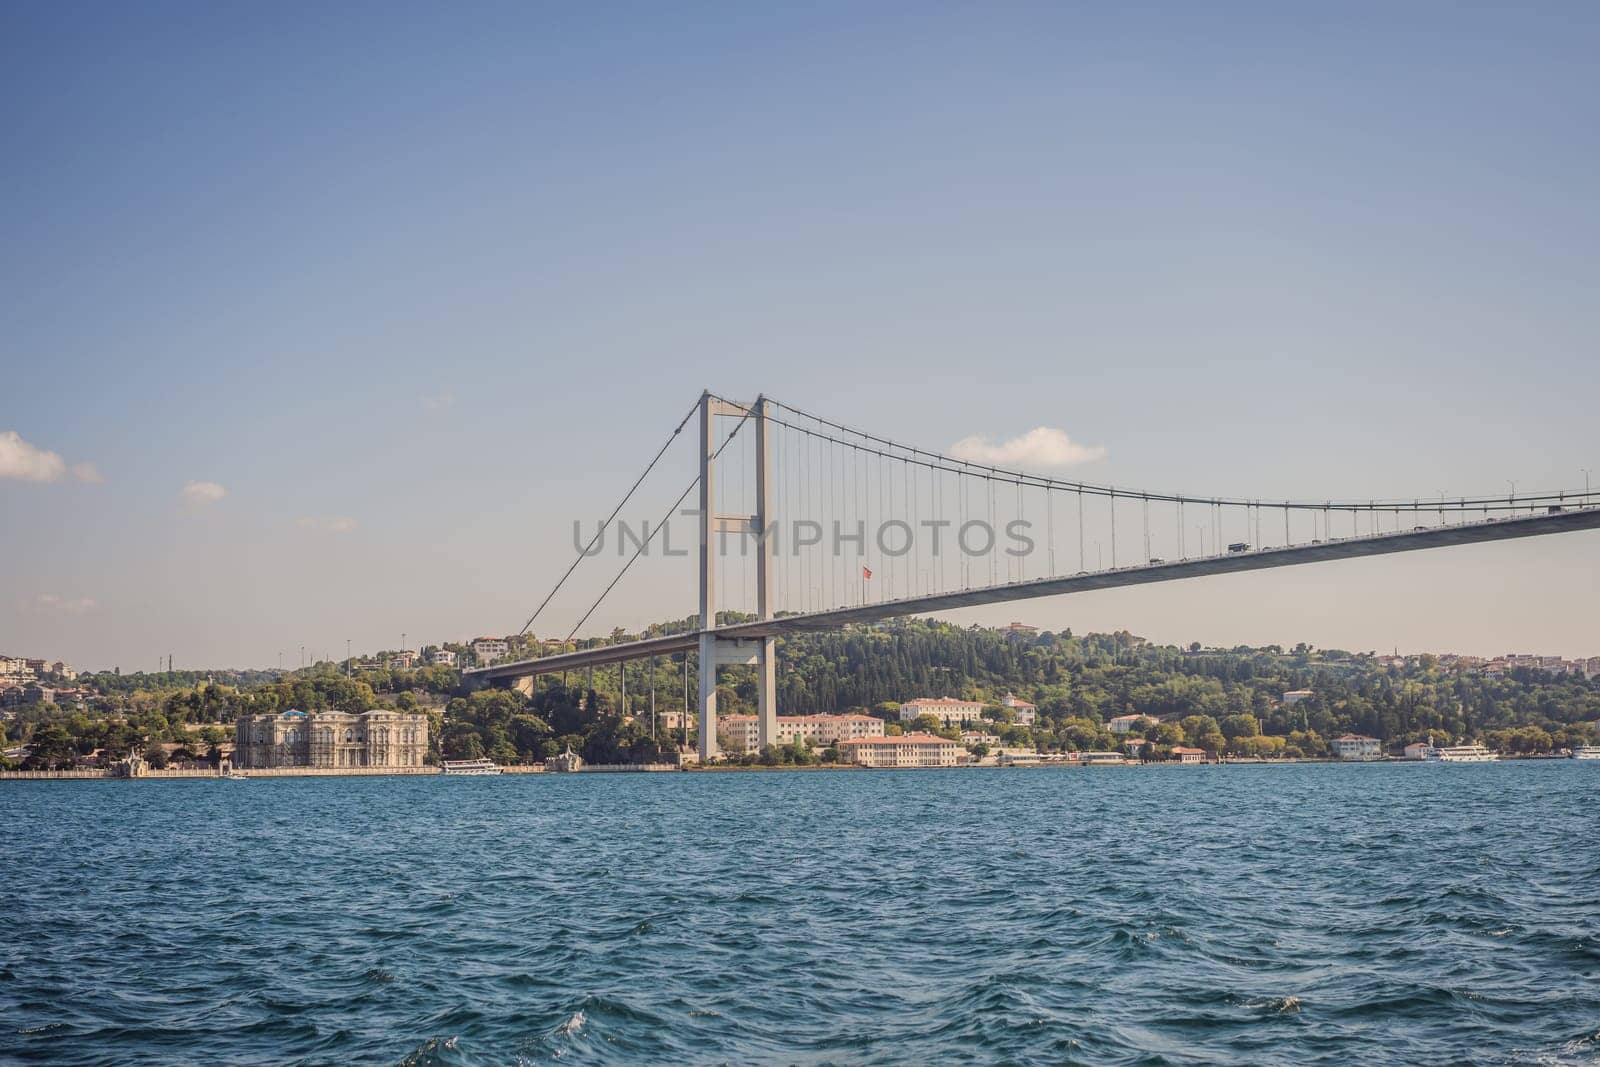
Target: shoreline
point(107, 775)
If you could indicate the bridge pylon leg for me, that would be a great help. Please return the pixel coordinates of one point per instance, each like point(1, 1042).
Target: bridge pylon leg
point(766, 694)
point(708, 698)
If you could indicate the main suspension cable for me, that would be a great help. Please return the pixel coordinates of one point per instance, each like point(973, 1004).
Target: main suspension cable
point(664, 519)
point(614, 512)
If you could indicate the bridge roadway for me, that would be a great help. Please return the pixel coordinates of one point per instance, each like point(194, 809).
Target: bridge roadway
point(1586, 518)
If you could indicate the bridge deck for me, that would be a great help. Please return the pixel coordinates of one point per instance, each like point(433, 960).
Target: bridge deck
point(1260, 559)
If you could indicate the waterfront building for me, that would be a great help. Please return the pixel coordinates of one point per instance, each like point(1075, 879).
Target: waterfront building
point(1355, 746)
point(907, 750)
point(948, 710)
point(567, 762)
point(1122, 724)
point(331, 739)
point(1418, 749)
point(1295, 696)
point(742, 733)
point(489, 649)
point(1184, 754)
point(1027, 712)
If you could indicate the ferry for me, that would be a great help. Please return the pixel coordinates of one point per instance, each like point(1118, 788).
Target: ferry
point(469, 766)
point(1461, 754)
point(1586, 752)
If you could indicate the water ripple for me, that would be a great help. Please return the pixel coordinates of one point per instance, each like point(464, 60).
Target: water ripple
point(1315, 914)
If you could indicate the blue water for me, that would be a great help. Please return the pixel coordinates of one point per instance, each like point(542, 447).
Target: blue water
point(1301, 914)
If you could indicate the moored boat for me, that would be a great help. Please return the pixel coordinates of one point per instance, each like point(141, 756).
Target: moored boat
point(1461, 754)
point(469, 766)
point(1586, 752)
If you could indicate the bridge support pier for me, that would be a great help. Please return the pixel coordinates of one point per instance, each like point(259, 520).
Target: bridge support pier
point(716, 651)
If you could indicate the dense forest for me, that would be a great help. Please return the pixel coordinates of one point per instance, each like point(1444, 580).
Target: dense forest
point(1226, 701)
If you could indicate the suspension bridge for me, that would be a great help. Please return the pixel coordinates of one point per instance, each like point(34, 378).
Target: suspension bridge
point(850, 527)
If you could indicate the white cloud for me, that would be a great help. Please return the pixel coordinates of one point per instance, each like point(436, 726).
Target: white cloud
point(1041, 447)
point(199, 494)
point(338, 524)
point(51, 602)
point(28, 463)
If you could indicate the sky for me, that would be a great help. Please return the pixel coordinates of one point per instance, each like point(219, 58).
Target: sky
point(324, 323)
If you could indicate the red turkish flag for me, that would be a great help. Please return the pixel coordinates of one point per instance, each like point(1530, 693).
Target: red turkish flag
point(866, 573)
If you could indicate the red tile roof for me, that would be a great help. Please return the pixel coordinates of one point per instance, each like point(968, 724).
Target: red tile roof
point(917, 739)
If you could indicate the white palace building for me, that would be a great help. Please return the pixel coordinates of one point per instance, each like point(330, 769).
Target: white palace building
point(331, 739)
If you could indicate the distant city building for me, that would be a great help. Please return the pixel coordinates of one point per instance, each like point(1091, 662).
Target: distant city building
point(15, 671)
point(1184, 754)
point(402, 661)
point(948, 710)
point(742, 733)
point(331, 739)
point(907, 750)
point(1356, 747)
point(1295, 696)
point(11, 696)
point(38, 694)
point(1027, 713)
point(1124, 723)
point(1021, 628)
point(489, 649)
point(442, 657)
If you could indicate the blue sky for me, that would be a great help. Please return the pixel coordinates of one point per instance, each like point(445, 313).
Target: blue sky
point(419, 285)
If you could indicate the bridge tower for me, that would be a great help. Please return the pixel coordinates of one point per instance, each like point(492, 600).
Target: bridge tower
point(718, 651)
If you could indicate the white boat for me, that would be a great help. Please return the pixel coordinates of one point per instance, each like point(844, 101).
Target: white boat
point(469, 766)
point(1586, 752)
point(1461, 754)
point(235, 776)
